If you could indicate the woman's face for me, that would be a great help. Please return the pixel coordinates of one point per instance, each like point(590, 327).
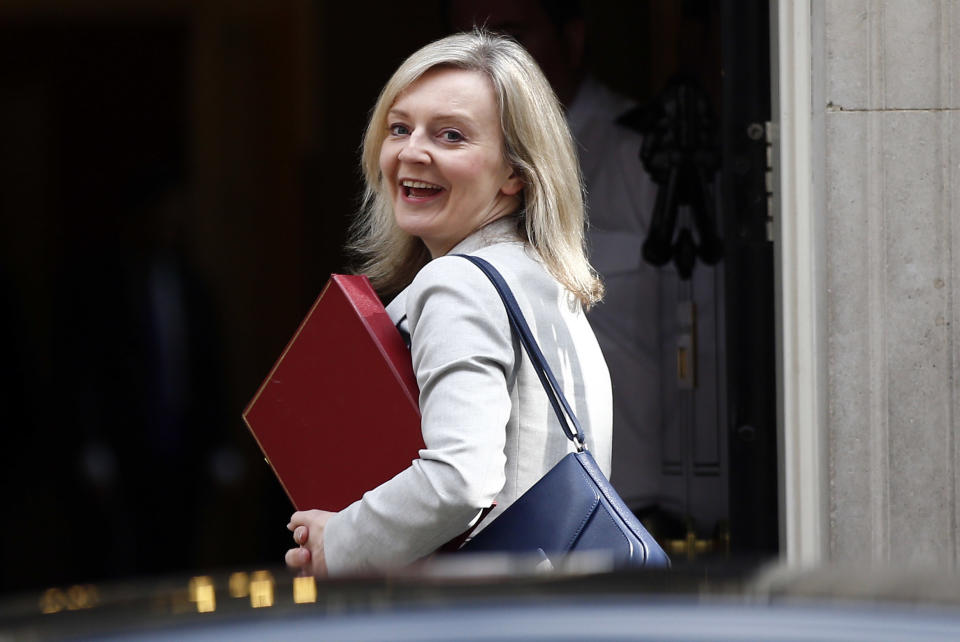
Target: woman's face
point(443, 161)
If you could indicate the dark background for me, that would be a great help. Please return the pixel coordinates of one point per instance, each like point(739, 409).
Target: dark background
point(176, 178)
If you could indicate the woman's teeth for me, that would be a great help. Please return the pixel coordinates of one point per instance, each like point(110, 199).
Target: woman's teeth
point(420, 184)
point(420, 189)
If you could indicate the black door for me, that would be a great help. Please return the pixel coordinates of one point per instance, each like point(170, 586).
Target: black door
point(749, 285)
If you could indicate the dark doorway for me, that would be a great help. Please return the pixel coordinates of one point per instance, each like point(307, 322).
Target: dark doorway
point(93, 169)
point(708, 62)
point(206, 153)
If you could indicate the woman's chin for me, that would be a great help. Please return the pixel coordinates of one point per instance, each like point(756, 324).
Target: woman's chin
point(418, 226)
point(412, 226)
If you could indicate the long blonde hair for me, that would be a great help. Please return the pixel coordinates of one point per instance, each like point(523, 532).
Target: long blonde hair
point(538, 146)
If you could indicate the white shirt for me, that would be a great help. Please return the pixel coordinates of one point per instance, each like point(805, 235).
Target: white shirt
point(628, 322)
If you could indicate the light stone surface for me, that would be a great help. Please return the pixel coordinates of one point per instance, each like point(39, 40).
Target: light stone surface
point(892, 54)
point(891, 203)
point(892, 259)
point(951, 204)
point(847, 32)
point(910, 53)
point(918, 357)
point(848, 267)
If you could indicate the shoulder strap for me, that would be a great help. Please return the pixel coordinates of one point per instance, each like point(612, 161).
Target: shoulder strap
point(519, 324)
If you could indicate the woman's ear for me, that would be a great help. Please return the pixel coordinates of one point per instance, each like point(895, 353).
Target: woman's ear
point(513, 185)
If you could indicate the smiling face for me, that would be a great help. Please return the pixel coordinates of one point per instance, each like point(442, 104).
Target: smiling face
point(442, 161)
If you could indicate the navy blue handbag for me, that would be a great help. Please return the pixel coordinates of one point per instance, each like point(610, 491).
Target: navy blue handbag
point(573, 507)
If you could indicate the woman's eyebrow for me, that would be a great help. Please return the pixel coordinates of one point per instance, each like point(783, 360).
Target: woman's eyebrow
point(459, 116)
point(456, 116)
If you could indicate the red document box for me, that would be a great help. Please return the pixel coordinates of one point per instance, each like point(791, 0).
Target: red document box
point(338, 414)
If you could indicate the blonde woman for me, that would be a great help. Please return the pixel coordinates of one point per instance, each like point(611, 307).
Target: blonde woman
point(467, 152)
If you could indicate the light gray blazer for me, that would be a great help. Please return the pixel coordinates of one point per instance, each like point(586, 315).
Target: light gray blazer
point(489, 430)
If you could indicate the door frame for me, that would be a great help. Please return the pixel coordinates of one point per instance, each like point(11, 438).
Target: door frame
point(799, 243)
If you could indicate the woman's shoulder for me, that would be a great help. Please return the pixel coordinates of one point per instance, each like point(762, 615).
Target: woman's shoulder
point(451, 271)
point(450, 294)
point(456, 271)
point(449, 282)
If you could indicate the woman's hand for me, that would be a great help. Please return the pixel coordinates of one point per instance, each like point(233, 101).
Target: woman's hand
point(307, 527)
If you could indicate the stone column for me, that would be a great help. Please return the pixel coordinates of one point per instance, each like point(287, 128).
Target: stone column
point(886, 109)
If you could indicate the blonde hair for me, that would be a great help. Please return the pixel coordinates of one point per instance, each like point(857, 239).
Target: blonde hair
point(538, 146)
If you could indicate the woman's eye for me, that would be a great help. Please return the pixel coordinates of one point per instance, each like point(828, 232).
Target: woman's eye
point(399, 130)
point(452, 136)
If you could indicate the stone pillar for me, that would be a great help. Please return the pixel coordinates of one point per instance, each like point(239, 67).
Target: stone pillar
point(886, 110)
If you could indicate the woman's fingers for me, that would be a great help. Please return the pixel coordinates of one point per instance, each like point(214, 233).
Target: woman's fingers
point(307, 528)
point(302, 517)
point(297, 557)
point(300, 534)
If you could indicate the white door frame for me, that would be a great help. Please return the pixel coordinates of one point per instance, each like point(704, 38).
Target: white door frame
point(798, 199)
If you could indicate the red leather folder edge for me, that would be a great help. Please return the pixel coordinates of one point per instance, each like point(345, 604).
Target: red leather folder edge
point(394, 353)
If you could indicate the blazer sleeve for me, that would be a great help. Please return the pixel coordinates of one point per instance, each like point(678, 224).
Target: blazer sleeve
point(463, 355)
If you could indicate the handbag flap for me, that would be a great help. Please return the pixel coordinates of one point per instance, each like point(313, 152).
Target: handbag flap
point(652, 554)
point(552, 513)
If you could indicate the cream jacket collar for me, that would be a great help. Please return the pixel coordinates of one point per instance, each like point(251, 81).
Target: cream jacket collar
point(502, 230)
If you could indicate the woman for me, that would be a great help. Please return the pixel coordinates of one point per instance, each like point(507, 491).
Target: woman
point(467, 152)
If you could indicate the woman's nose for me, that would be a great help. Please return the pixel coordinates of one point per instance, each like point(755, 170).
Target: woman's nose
point(414, 150)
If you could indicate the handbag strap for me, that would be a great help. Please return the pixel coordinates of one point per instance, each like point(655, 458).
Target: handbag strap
point(519, 324)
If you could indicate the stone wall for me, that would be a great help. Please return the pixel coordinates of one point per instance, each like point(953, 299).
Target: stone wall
point(886, 119)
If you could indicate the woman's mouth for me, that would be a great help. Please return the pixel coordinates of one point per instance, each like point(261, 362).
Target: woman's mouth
point(419, 190)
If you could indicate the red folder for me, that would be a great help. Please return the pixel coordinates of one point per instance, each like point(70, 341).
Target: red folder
point(338, 414)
